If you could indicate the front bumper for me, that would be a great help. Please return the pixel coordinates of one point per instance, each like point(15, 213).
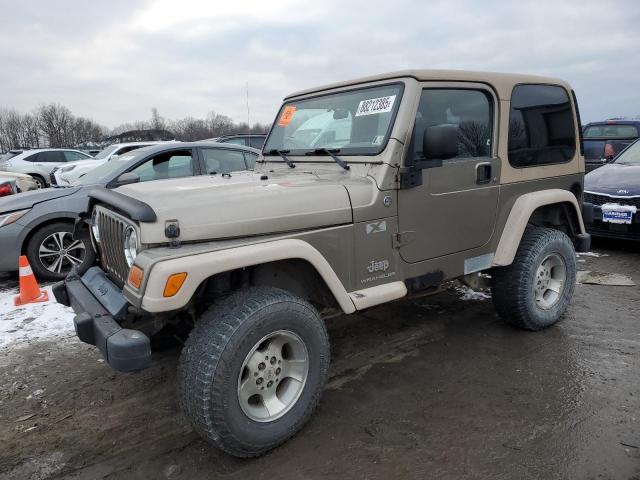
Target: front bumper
point(11, 237)
point(98, 304)
point(596, 227)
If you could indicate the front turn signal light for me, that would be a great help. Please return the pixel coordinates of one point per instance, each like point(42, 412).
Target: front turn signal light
point(174, 283)
point(135, 276)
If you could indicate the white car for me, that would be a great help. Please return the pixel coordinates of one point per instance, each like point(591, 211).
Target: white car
point(24, 182)
point(39, 163)
point(69, 174)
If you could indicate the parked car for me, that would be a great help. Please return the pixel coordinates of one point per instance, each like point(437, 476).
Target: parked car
point(442, 175)
point(255, 140)
point(39, 163)
point(7, 186)
point(24, 182)
point(604, 140)
point(40, 224)
point(66, 175)
point(612, 196)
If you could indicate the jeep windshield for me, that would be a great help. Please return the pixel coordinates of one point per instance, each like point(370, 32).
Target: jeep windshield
point(355, 122)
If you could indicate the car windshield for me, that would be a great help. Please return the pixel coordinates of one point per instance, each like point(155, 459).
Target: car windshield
point(357, 122)
point(102, 173)
point(106, 152)
point(631, 156)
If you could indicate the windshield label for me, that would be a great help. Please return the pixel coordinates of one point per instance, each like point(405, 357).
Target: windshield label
point(287, 115)
point(375, 105)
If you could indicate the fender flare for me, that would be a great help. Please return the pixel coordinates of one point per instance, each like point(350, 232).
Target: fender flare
point(201, 266)
point(519, 216)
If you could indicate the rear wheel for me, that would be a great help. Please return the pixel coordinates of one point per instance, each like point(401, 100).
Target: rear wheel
point(52, 251)
point(536, 289)
point(253, 369)
point(40, 181)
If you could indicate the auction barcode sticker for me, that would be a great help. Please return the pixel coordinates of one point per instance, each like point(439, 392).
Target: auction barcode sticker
point(375, 105)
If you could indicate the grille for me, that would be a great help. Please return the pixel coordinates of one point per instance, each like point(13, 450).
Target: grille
point(52, 177)
point(602, 199)
point(111, 229)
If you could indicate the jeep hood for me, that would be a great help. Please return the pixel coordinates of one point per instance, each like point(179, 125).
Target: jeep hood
point(214, 207)
point(614, 179)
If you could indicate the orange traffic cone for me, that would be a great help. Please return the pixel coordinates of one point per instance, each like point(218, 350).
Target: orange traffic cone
point(29, 290)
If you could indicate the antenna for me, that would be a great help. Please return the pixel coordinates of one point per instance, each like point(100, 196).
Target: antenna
point(248, 111)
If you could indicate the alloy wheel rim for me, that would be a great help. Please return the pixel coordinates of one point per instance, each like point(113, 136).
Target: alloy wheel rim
point(58, 252)
point(549, 281)
point(273, 376)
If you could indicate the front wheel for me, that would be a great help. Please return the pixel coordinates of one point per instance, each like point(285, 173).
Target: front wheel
point(536, 289)
point(52, 252)
point(253, 369)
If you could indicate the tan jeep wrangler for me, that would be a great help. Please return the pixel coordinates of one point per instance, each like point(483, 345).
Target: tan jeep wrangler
point(368, 191)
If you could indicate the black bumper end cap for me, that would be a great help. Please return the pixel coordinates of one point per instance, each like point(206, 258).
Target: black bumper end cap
point(59, 291)
point(583, 242)
point(129, 350)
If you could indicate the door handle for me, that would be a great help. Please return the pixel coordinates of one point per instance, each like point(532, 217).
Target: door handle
point(483, 173)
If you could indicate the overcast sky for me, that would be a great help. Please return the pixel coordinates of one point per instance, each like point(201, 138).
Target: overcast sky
point(114, 60)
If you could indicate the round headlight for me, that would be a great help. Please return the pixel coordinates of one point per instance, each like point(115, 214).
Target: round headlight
point(95, 230)
point(130, 245)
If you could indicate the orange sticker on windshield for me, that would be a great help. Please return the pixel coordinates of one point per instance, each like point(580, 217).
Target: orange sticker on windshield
point(287, 115)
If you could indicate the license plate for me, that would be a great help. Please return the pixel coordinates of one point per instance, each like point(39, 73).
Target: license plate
point(617, 216)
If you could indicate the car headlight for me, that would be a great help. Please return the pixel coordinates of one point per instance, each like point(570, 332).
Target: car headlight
point(130, 245)
point(9, 218)
point(67, 169)
point(95, 230)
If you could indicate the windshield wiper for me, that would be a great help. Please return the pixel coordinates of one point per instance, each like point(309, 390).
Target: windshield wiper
point(331, 153)
point(283, 154)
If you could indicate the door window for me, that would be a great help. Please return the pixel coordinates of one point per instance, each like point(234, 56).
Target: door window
point(73, 156)
point(218, 160)
point(541, 126)
point(166, 165)
point(250, 159)
point(256, 142)
point(469, 110)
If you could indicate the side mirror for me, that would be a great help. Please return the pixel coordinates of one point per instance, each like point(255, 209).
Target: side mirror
point(126, 178)
point(440, 142)
point(114, 156)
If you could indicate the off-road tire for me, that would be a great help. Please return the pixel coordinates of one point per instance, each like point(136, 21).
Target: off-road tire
point(33, 245)
point(212, 359)
point(513, 285)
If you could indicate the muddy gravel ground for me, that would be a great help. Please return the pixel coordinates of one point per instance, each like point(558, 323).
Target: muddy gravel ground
point(436, 387)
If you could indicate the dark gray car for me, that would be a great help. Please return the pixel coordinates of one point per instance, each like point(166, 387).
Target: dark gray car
point(40, 223)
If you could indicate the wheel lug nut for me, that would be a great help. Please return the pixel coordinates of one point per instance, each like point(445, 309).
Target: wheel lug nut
point(278, 370)
point(261, 366)
point(269, 383)
point(273, 360)
point(259, 381)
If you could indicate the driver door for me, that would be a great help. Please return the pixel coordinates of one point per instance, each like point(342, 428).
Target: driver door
point(454, 208)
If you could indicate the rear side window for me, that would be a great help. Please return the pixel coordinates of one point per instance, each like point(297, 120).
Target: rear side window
point(611, 131)
point(52, 157)
point(541, 126)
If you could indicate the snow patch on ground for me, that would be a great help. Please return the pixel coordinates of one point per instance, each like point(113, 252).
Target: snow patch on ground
point(592, 254)
point(467, 293)
point(20, 326)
